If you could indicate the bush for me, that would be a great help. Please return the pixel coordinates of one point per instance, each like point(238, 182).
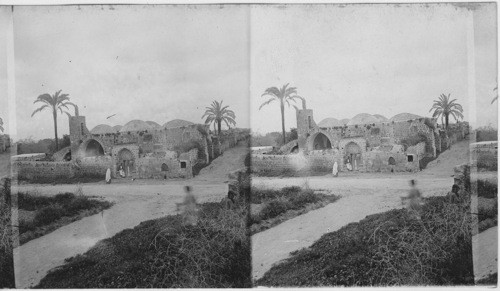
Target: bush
point(49, 214)
point(486, 189)
point(274, 208)
point(6, 257)
point(487, 161)
point(303, 198)
point(391, 248)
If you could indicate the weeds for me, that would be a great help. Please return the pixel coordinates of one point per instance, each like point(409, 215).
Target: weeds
point(162, 253)
point(6, 247)
point(50, 211)
point(391, 248)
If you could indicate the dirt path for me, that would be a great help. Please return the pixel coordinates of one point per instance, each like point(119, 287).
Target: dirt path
point(135, 202)
point(485, 252)
point(362, 194)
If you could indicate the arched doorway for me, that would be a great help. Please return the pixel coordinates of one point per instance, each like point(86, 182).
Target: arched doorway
point(125, 160)
point(295, 150)
point(93, 149)
point(353, 155)
point(321, 142)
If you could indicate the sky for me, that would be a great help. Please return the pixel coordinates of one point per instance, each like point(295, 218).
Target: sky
point(154, 63)
point(4, 105)
point(169, 62)
point(377, 59)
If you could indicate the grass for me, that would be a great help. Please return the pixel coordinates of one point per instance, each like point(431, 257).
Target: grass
point(6, 258)
point(50, 213)
point(391, 248)
point(487, 161)
point(64, 180)
point(487, 206)
point(162, 253)
point(277, 206)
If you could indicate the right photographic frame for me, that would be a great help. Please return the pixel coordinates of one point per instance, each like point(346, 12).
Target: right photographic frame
point(374, 144)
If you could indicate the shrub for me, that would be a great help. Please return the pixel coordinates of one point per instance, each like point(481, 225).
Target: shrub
point(6, 247)
point(303, 197)
point(390, 248)
point(487, 161)
point(486, 189)
point(274, 208)
point(49, 214)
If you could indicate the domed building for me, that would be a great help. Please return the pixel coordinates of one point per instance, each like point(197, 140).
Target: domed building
point(381, 118)
point(344, 121)
point(102, 129)
point(177, 123)
point(153, 124)
point(136, 125)
point(329, 122)
point(404, 117)
point(363, 118)
point(117, 128)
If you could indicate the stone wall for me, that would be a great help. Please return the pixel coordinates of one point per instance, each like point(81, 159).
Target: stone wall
point(25, 170)
point(154, 168)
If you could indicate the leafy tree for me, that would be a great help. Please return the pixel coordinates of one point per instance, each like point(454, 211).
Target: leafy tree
point(55, 102)
point(444, 107)
point(216, 113)
point(283, 95)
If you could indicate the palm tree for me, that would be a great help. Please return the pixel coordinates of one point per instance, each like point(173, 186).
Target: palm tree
point(55, 102)
point(283, 95)
point(444, 107)
point(217, 114)
point(1, 124)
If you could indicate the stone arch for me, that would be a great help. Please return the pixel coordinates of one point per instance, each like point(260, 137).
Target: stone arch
point(92, 148)
point(126, 160)
point(295, 150)
point(353, 154)
point(319, 141)
point(164, 167)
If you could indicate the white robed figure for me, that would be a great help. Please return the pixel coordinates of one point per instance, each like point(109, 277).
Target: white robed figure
point(335, 170)
point(108, 176)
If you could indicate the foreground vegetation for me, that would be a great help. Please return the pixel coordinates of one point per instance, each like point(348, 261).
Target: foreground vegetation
point(487, 207)
point(391, 248)
point(39, 215)
point(272, 207)
point(6, 258)
point(163, 253)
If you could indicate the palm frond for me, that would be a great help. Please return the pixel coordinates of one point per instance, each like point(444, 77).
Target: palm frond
point(39, 109)
point(267, 102)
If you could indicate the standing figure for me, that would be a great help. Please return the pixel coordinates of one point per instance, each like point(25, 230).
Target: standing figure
point(189, 217)
point(108, 176)
point(415, 197)
point(335, 170)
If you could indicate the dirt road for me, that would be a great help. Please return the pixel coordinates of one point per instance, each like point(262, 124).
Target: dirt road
point(135, 201)
point(362, 194)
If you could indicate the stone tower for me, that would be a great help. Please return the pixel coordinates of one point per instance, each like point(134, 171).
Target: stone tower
point(77, 132)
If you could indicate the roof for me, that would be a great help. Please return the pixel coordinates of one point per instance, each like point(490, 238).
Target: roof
point(153, 124)
point(381, 118)
point(344, 121)
point(404, 117)
point(177, 123)
point(136, 125)
point(102, 129)
point(117, 128)
point(329, 122)
point(363, 118)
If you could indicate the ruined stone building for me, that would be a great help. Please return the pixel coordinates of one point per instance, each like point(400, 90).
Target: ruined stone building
point(367, 143)
point(142, 149)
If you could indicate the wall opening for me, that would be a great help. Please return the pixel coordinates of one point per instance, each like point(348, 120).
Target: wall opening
point(352, 155)
point(321, 142)
point(410, 158)
point(93, 149)
point(309, 121)
point(164, 167)
point(392, 161)
point(295, 150)
point(125, 162)
point(183, 165)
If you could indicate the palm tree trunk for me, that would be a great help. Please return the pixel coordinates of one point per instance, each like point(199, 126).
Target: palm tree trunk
point(446, 120)
point(219, 123)
point(54, 115)
point(282, 105)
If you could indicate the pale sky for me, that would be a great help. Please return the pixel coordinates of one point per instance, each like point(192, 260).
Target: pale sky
point(139, 62)
point(378, 59)
point(166, 62)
